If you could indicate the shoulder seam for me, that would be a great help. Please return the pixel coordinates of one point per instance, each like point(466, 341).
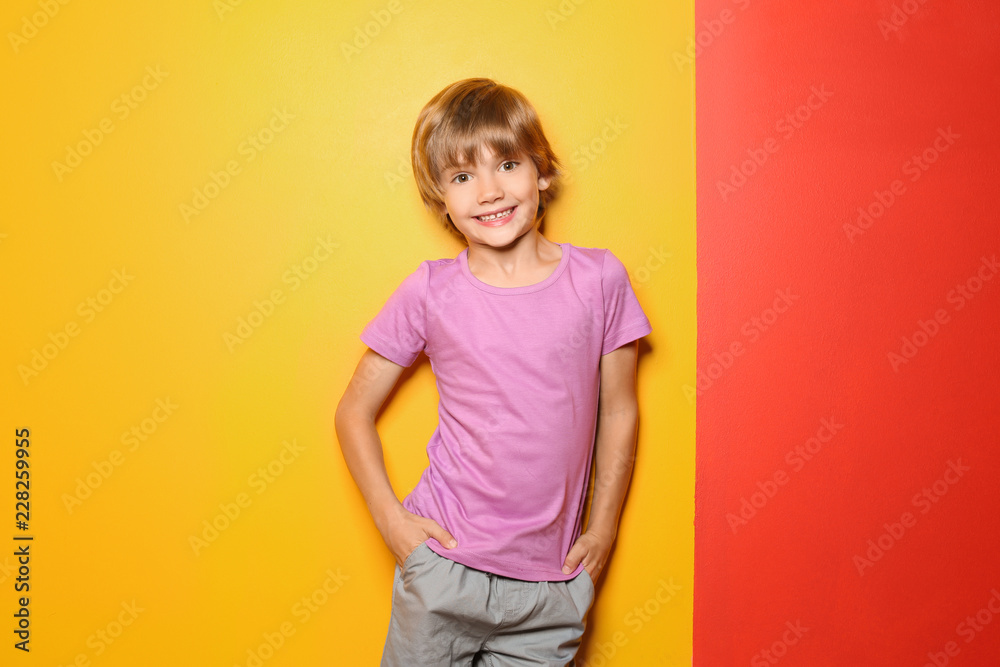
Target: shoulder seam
point(423, 300)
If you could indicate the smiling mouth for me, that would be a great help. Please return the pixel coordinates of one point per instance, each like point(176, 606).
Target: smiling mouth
point(496, 218)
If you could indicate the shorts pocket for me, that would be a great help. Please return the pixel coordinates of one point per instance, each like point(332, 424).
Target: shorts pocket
point(414, 555)
point(590, 581)
point(580, 590)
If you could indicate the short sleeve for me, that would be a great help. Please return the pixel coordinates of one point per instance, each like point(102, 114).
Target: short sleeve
point(624, 319)
point(399, 332)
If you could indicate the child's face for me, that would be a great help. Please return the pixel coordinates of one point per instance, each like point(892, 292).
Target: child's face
point(493, 202)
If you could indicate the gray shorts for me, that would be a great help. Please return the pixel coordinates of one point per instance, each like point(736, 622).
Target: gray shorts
point(446, 614)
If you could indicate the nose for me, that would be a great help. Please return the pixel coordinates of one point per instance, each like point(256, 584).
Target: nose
point(489, 189)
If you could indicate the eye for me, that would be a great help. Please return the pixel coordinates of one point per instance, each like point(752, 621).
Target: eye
point(508, 165)
point(460, 178)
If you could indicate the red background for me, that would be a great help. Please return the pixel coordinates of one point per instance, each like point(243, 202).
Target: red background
point(827, 355)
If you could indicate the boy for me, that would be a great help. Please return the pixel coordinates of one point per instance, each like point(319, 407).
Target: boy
point(532, 344)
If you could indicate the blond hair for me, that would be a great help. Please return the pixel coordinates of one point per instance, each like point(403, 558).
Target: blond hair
point(467, 115)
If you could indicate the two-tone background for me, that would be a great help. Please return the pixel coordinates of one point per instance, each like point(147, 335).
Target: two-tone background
point(204, 203)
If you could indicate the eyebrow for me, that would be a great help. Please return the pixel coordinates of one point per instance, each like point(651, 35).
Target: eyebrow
point(464, 166)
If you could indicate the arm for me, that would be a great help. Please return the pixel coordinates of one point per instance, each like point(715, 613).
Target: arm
point(402, 531)
point(614, 451)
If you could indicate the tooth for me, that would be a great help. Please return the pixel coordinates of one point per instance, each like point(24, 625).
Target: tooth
point(494, 216)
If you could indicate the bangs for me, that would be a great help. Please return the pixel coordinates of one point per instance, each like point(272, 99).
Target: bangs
point(492, 118)
point(468, 149)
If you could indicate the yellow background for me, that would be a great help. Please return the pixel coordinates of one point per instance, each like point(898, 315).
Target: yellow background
point(334, 125)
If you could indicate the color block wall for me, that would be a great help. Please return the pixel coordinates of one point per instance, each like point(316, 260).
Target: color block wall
point(207, 201)
point(848, 306)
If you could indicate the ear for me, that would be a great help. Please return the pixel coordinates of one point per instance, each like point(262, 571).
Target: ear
point(544, 182)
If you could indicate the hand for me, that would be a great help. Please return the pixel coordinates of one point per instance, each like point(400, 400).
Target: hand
point(593, 550)
point(404, 531)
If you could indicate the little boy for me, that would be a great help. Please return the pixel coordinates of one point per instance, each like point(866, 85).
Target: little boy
point(532, 344)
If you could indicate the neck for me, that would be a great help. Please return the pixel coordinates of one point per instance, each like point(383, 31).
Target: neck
point(521, 261)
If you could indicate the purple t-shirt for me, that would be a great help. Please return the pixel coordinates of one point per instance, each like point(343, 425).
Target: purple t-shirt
point(517, 371)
